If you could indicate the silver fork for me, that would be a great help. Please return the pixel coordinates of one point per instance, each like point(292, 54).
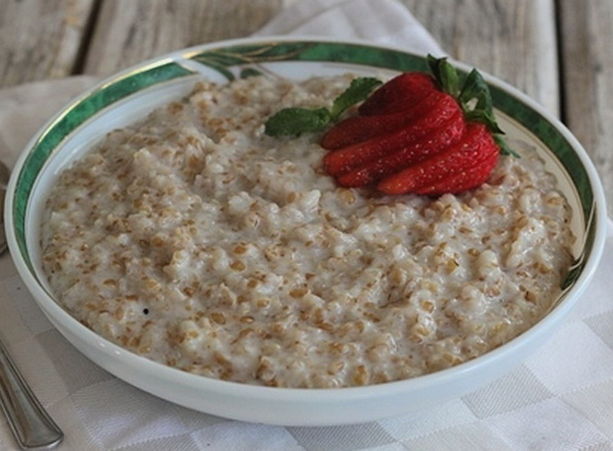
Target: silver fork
point(30, 424)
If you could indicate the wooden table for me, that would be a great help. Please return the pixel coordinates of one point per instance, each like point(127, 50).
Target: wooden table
point(557, 51)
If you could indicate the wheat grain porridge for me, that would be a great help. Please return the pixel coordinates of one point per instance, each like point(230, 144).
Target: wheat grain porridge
point(195, 240)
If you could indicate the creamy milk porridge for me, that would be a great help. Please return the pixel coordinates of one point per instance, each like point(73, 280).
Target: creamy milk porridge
point(195, 240)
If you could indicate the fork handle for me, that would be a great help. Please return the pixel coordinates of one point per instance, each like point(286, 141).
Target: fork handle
point(30, 423)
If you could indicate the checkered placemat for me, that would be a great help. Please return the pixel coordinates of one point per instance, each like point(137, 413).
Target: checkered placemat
point(560, 398)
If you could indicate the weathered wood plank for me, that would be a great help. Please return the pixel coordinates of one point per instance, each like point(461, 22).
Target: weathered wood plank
point(129, 31)
point(512, 39)
point(587, 63)
point(40, 39)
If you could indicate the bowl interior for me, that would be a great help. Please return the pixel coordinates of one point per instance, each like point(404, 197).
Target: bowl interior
point(131, 95)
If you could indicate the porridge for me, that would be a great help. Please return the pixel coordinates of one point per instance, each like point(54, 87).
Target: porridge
point(195, 240)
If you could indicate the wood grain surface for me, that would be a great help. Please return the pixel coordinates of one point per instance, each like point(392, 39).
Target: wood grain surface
point(587, 57)
point(557, 51)
point(128, 31)
point(512, 39)
point(40, 39)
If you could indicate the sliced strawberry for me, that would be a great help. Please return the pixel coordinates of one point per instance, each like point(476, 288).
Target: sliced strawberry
point(434, 142)
point(344, 160)
point(398, 93)
point(476, 145)
point(361, 128)
point(465, 180)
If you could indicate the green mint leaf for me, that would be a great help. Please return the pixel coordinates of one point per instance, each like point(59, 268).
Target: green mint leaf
point(433, 64)
point(294, 121)
point(475, 88)
point(450, 79)
point(474, 97)
point(358, 90)
point(445, 74)
point(485, 117)
point(504, 147)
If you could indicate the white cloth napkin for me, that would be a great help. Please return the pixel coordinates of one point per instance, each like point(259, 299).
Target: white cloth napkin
point(561, 398)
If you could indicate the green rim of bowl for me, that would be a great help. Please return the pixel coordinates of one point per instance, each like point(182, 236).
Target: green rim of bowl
point(246, 58)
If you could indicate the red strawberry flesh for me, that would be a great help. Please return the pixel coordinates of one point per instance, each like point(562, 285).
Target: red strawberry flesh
point(341, 161)
point(404, 89)
point(463, 181)
point(436, 141)
point(476, 145)
point(361, 128)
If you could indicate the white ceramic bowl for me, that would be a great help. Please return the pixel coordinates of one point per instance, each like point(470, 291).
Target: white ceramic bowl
point(131, 94)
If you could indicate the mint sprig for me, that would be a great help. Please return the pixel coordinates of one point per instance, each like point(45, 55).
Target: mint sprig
point(472, 94)
point(295, 121)
point(445, 74)
point(358, 90)
point(504, 147)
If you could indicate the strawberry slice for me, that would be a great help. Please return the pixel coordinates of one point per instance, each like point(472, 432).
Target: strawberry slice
point(434, 142)
point(476, 145)
point(398, 94)
point(361, 128)
point(463, 181)
point(344, 160)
